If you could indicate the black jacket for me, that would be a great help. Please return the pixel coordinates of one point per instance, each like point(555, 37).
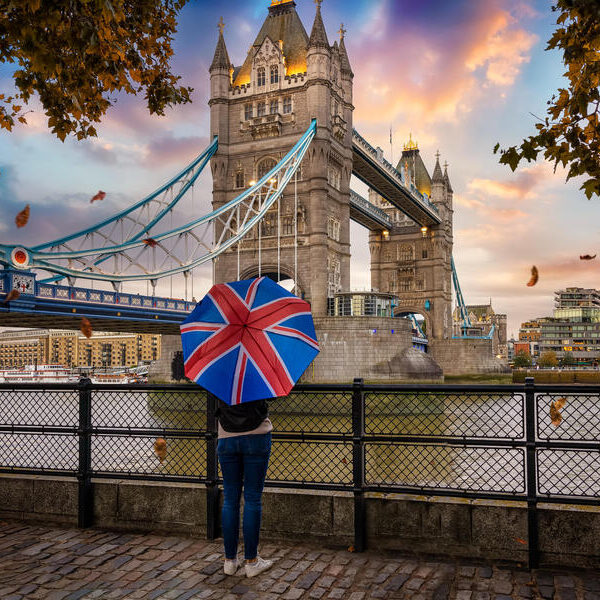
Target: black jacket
point(242, 417)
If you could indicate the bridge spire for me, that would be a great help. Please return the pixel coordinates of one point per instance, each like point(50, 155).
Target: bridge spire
point(437, 176)
point(345, 67)
point(446, 178)
point(221, 57)
point(318, 35)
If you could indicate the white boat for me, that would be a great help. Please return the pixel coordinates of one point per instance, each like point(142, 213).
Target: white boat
point(119, 378)
point(38, 374)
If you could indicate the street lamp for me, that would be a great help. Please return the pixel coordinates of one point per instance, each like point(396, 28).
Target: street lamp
point(424, 230)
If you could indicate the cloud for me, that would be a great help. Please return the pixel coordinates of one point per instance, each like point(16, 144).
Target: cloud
point(524, 184)
point(168, 149)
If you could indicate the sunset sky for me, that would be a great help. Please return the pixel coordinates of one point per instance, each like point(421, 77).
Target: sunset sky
point(459, 75)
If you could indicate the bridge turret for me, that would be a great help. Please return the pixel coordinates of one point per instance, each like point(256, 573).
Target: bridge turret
point(220, 84)
point(318, 68)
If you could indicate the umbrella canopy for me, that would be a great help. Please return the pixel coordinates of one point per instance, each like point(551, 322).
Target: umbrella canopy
point(248, 340)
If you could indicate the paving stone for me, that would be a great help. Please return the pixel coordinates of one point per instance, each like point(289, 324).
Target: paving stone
point(356, 596)
point(481, 596)
point(502, 597)
point(503, 587)
point(466, 571)
point(317, 592)
point(485, 572)
point(464, 595)
point(306, 581)
point(337, 593)
point(395, 583)
point(567, 594)
point(294, 594)
point(280, 588)
point(442, 592)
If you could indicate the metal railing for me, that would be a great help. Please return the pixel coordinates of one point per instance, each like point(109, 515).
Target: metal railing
point(533, 443)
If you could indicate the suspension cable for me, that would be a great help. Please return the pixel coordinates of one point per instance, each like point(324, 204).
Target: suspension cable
point(279, 239)
point(296, 232)
point(237, 229)
point(259, 225)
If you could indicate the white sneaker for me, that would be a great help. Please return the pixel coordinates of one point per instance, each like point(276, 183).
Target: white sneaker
point(231, 566)
point(260, 565)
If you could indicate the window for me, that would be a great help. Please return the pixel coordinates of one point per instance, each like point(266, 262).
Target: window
point(264, 167)
point(274, 107)
point(261, 76)
point(261, 109)
point(424, 253)
point(287, 225)
point(239, 179)
point(269, 224)
point(287, 105)
point(248, 111)
point(404, 285)
point(333, 228)
point(405, 253)
point(334, 177)
point(274, 74)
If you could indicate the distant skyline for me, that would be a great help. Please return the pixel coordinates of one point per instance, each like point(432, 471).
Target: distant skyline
point(459, 76)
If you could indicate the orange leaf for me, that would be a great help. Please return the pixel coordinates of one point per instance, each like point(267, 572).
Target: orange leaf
point(86, 327)
point(521, 541)
point(560, 403)
point(150, 242)
point(160, 449)
point(99, 196)
point(22, 218)
point(555, 416)
point(12, 295)
point(351, 549)
point(534, 277)
point(587, 257)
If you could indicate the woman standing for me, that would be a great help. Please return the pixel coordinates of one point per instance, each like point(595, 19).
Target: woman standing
point(244, 447)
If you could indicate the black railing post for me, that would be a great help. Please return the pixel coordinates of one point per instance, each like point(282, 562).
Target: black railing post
point(358, 465)
point(212, 469)
point(531, 461)
point(85, 510)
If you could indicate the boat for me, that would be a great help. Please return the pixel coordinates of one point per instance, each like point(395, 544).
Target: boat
point(38, 374)
point(116, 378)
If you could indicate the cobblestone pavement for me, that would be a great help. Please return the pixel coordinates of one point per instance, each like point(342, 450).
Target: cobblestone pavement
point(54, 564)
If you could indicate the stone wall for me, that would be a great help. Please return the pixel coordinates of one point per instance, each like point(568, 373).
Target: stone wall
point(459, 357)
point(443, 527)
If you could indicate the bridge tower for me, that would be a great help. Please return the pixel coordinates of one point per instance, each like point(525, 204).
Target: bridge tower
point(415, 263)
point(259, 110)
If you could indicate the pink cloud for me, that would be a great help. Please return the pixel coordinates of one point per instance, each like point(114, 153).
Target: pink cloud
point(169, 149)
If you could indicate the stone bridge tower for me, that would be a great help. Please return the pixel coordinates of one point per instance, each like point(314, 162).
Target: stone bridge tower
point(259, 111)
point(415, 264)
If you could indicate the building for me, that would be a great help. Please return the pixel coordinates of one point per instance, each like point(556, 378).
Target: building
point(574, 326)
point(70, 348)
point(531, 332)
point(259, 110)
point(483, 317)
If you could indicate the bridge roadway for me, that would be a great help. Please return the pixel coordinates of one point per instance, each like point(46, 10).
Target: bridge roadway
point(370, 167)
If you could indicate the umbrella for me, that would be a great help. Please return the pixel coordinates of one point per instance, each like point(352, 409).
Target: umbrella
point(248, 340)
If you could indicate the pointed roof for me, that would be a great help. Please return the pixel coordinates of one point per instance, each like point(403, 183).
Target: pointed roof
point(221, 58)
point(282, 23)
point(318, 35)
point(417, 171)
point(344, 60)
point(447, 179)
point(437, 171)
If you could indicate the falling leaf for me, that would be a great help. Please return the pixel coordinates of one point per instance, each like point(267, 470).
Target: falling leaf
point(86, 327)
point(150, 242)
point(160, 449)
point(99, 196)
point(12, 295)
point(534, 277)
point(22, 218)
point(351, 549)
point(587, 257)
point(555, 416)
point(560, 403)
point(521, 541)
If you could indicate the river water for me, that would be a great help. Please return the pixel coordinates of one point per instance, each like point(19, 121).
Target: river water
point(419, 464)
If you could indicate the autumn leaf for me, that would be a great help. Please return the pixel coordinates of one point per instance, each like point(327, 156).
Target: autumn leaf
point(22, 218)
point(86, 327)
point(555, 416)
point(521, 541)
point(351, 549)
point(150, 242)
point(160, 449)
point(587, 257)
point(99, 196)
point(534, 277)
point(12, 295)
point(560, 403)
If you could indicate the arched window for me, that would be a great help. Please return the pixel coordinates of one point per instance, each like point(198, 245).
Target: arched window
point(239, 179)
point(405, 253)
point(264, 167)
point(274, 74)
point(261, 76)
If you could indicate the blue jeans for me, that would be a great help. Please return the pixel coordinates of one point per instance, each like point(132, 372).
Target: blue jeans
point(244, 461)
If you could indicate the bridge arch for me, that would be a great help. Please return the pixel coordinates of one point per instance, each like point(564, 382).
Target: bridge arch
point(403, 310)
point(270, 270)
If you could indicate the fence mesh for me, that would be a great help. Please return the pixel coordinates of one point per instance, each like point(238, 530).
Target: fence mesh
point(569, 472)
point(572, 417)
point(39, 407)
point(39, 452)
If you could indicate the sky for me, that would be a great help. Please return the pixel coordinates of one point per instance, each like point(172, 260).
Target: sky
point(460, 76)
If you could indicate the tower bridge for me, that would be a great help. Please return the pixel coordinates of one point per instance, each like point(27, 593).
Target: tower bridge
point(283, 152)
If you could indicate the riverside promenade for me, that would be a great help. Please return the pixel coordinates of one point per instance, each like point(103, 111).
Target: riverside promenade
point(46, 563)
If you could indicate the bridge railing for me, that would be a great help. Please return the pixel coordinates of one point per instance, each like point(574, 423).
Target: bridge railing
point(397, 175)
point(378, 213)
point(529, 443)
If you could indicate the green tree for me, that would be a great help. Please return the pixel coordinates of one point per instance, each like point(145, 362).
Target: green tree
point(548, 359)
point(522, 359)
point(75, 55)
point(567, 360)
point(570, 133)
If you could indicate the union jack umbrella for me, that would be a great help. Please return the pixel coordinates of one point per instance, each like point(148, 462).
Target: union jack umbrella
point(248, 340)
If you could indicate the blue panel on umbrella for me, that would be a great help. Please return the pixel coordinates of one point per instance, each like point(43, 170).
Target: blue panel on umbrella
point(218, 378)
point(191, 340)
point(268, 291)
point(241, 287)
point(254, 387)
point(302, 322)
point(288, 347)
point(205, 311)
